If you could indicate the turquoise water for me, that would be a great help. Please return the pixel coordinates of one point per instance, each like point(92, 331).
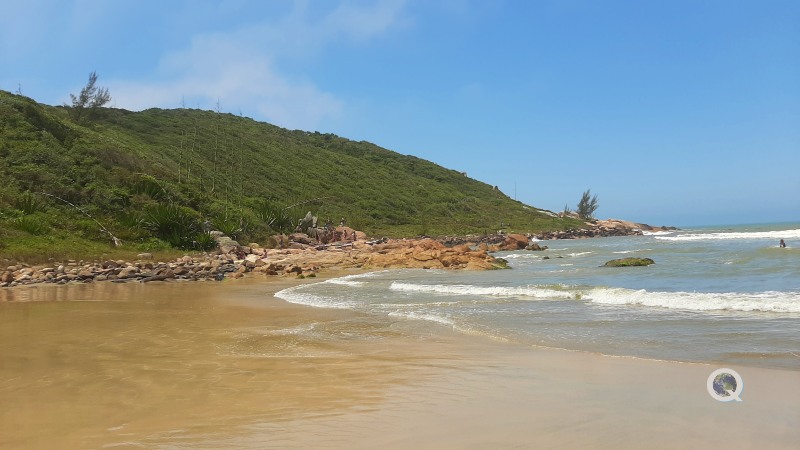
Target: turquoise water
point(715, 295)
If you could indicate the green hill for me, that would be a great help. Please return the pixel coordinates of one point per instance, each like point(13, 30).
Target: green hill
point(151, 178)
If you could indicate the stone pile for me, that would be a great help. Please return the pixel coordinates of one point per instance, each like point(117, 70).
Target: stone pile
point(584, 233)
point(236, 261)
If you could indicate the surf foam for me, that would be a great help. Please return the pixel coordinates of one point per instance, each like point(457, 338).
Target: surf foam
point(495, 291)
point(739, 235)
point(769, 301)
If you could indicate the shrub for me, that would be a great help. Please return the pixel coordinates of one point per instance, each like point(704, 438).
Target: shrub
point(228, 226)
point(28, 203)
point(275, 217)
point(204, 241)
point(172, 223)
point(30, 225)
point(150, 187)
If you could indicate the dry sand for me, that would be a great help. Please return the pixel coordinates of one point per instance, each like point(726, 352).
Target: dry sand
point(226, 365)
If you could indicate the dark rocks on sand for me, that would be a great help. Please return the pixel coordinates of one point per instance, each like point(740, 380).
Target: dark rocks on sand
point(629, 262)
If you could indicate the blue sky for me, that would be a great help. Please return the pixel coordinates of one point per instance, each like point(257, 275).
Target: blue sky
point(672, 112)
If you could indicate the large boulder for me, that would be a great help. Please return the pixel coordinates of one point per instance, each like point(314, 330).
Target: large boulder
point(429, 254)
point(629, 262)
point(301, 238)
point(533, 246)
point(514, 242)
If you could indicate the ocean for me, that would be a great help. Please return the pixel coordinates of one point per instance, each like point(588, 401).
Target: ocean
point(724, 295)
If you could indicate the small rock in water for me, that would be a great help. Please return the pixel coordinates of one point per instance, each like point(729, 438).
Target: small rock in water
point(629, 262)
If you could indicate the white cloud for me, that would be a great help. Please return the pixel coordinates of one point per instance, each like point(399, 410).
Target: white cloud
point(252, 86)
point(242, 67)
point(364, 23)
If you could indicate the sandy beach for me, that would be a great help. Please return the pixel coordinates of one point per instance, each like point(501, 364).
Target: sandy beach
point(227, 365)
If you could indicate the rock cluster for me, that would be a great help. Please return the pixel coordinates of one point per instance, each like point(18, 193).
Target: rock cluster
point(430, 254)
point(584, 233)
point(304, 255)
point(238, 260)
point(185, 268)
point(604, 228)
point(494, 242)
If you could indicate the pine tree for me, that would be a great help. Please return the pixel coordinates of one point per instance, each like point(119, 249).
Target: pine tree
point(91, 97)
point(587, 205)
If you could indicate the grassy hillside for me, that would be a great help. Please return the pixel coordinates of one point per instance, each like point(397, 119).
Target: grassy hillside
point(151, 178)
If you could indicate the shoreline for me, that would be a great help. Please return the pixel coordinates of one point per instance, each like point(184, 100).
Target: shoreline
point(270, 286)
point(304, 261)
point(304, 256)
point(278, 374)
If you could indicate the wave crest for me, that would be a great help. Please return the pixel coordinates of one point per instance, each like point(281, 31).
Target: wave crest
point(775, 235)
point(495, 291)
point(768, 301)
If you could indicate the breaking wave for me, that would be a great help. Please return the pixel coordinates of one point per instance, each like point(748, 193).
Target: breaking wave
point(774, 235)
point(295, 295)
point(495, 291)
point(769, 301)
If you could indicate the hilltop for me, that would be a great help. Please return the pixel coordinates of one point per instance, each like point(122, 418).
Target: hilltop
point(156, 179)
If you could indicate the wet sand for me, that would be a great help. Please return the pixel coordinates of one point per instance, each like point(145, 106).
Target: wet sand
point(226, 365)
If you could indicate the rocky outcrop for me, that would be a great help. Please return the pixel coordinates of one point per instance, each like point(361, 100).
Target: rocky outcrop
point(514, 242)
point(584, 233)
point(298, 262)
point(430, 254)
point(627, 225)
point(494, 242)
point(629, 262)
point(603, 228)
point(224, 243)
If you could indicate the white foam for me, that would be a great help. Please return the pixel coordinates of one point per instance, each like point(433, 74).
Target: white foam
point(768, 301)
point(656, 233)
point(623, 252)
point(348, 279)
point(775, 235)
point(295, 295)
point(497, 291)
point(522, 256)
point(422, 316)
point(343, 282)
point(299, 329)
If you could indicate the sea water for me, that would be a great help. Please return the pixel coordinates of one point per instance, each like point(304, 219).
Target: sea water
point(718, 295)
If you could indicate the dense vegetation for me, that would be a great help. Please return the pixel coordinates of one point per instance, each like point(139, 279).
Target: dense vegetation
point(157, 179)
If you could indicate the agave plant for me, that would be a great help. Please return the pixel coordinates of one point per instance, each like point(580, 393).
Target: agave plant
point(172, 223)
point(28, 203)
point(227, 225)
point(275, 217)
point(204, 241)
point(30, 225)
point(151, 187)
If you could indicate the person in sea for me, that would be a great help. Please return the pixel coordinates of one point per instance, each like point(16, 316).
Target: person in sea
point(783, 244)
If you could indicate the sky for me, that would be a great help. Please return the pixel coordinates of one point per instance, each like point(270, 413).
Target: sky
point(679, 112)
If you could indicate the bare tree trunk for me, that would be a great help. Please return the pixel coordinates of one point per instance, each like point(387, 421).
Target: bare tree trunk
point(180, 156)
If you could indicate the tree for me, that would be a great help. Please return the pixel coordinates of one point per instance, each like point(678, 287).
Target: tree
point(587, 206)
point(91, 98)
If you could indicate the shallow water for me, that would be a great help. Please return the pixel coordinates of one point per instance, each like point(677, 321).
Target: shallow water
point(180, 365)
